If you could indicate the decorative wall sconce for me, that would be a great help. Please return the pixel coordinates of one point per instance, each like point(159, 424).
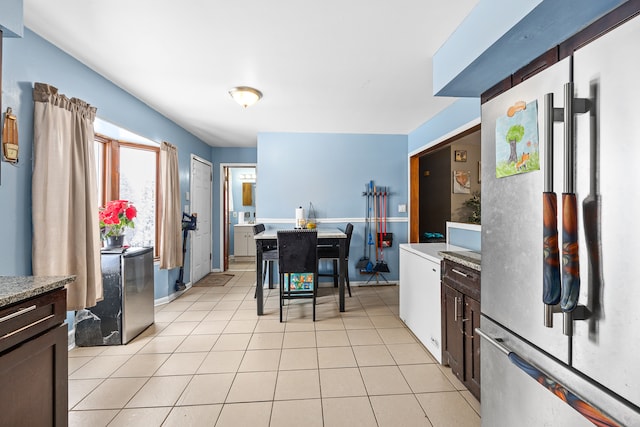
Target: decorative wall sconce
point(10, 137)
point(248, 177)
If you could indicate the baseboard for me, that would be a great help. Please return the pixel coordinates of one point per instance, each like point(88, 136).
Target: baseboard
point(374, 283)
point(329, 220)
point(361, 283)
point(173, 296)
point(242, 258)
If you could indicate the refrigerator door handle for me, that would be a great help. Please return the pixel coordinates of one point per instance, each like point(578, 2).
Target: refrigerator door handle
point(551, 285)
point(585, 408)
point(496, 342)
point(570, 254)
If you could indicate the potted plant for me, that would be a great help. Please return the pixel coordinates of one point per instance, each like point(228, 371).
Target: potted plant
point(115, 216)
point(474, 208)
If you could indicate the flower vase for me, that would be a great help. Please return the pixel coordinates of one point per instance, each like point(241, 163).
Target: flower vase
point(114, 241)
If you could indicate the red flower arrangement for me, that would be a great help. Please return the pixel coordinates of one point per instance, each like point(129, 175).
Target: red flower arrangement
point(115, 216)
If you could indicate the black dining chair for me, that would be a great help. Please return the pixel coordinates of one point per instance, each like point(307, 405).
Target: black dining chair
point(333, 253)
point(269, 258)
point(298, 264)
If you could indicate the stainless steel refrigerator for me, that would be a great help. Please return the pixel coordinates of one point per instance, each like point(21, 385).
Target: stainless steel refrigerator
point(586, 362)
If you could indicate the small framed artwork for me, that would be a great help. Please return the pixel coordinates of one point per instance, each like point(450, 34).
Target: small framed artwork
point(461, 155)
point(461, 182)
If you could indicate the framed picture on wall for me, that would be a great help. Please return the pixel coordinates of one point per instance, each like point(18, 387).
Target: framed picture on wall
point(460, 155)
point(247, 194)
point(462, 182)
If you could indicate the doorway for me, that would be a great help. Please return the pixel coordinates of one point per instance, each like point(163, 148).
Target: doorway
point(201, 186)
point(434, 189)
point(238, 214)
point(434, 197)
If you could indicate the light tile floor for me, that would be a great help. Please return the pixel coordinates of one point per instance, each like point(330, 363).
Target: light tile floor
point(209, 360)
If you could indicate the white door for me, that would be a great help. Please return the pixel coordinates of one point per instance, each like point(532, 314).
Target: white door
point(201, 186)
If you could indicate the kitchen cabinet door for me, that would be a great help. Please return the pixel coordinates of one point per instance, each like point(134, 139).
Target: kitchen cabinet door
point(239, 242)
point(452, 334)
point(33, 376)
point(243, 242)
point(460, 318)
point(472, 346)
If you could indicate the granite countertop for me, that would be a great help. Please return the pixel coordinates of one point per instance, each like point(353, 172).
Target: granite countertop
point(430, 251)
point(19, 288)
point(469, 259)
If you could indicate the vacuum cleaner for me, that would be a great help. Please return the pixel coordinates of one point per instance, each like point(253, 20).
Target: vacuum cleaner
point(188, 224)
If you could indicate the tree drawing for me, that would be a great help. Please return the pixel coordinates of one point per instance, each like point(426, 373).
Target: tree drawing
point(514, 135)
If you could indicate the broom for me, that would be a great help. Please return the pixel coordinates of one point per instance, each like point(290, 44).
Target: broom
point(362, 262)
point(370, 242)
point(381, 265)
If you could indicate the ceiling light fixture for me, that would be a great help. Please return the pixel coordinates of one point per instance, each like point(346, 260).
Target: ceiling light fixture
point(245, 95)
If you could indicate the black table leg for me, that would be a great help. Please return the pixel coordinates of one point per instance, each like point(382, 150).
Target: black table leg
point(259, 295)
point(271, 284)
point(343, 269)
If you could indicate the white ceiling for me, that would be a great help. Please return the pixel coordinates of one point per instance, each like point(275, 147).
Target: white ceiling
point(344, 66)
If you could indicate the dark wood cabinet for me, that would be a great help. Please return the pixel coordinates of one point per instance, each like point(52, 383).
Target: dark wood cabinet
point(460, 316)
point(33, 361)
point(472, 346)
point(453, 342)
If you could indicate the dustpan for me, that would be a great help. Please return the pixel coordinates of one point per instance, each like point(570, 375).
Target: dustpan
point(362, 263)
point(381, 267)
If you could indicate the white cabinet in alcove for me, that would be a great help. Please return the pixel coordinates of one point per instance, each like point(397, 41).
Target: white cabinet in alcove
point(243, 243)
point(420, 297)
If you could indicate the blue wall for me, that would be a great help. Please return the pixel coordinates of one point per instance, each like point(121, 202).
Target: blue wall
point(460, 113)
point(11, 19)
point(330, 171)
point(32, 59)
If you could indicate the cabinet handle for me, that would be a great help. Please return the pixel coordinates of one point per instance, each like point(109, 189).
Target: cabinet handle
point(24, 328)
point(17, 313)
point(465, 332)
point(459, 272)
point(455, 309)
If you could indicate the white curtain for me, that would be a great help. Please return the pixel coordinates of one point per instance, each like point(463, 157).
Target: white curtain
point(170, 210)
point(66, 232)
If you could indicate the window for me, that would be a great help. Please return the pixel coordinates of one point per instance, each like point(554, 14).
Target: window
point(129, 171)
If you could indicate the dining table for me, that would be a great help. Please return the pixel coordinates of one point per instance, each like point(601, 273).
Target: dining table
point(268, 239)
